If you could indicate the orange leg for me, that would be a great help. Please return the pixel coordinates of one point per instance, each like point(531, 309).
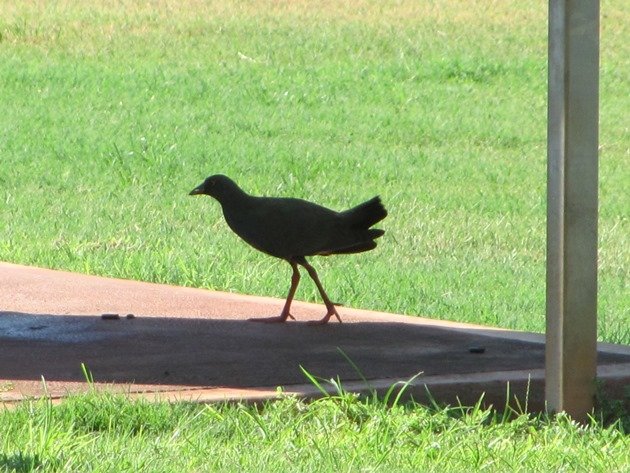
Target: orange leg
point(330, 307)
point(285, 314)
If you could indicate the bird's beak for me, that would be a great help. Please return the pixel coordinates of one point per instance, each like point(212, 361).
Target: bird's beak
point(197, 190)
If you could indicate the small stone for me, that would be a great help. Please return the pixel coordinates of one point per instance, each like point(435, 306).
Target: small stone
point(477, 349)
point(130, 316)
point(110, 316)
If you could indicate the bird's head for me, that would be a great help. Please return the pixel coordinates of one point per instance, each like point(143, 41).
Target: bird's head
point(215, 186)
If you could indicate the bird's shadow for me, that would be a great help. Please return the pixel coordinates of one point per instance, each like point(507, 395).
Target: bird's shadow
point(239, 353)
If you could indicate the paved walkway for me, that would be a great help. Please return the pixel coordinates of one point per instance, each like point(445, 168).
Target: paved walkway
point(194, 344)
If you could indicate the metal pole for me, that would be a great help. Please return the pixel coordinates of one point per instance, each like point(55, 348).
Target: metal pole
point(572, 179)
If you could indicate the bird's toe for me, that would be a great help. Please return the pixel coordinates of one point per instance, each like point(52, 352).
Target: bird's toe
point(326, 318)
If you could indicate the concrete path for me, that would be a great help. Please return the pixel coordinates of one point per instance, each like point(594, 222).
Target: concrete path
point(194, 344)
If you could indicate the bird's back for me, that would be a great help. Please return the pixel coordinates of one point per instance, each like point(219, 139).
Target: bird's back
point(289, 228)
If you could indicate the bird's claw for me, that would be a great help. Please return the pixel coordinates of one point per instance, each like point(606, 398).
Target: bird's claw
point(326, 318)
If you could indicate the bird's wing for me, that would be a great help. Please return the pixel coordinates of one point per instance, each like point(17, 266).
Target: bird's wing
point(285, 227)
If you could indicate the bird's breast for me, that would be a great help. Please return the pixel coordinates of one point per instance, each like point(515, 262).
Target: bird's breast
point(255, 228)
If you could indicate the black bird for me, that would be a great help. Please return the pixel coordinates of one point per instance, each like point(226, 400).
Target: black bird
point(292, 229)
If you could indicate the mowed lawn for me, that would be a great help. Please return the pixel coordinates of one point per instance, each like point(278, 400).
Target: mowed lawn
point(113, 111)
point(105, 433)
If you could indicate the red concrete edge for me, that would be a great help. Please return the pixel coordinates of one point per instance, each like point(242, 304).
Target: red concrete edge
point(526, 385)
point(520, 390)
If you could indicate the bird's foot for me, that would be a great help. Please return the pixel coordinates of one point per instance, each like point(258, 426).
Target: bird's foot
point(272, 320)
point(331, 311)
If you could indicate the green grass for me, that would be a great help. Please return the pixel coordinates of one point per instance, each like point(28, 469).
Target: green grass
point(113, 111)
point(104, 432)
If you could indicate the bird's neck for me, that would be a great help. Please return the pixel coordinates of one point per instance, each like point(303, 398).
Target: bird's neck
point(233, 197)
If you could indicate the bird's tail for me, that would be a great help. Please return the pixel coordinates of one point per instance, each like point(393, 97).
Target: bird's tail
point(366, 214)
